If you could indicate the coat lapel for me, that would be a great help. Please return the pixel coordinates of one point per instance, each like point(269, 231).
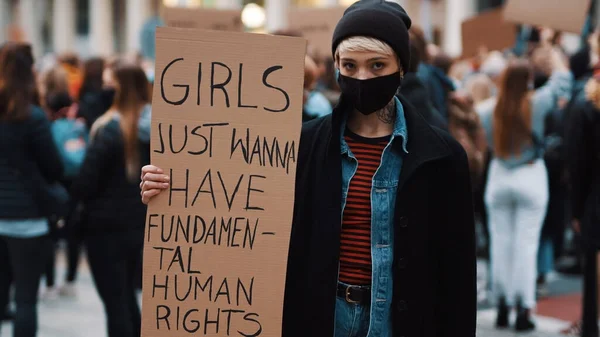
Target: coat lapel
point(424, 144)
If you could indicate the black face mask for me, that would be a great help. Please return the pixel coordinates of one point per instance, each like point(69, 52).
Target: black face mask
point(370, 95)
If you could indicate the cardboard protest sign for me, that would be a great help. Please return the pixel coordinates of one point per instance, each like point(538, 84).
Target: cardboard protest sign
point(226, 124)
point(203, 18)
point(316, 25)
point(488, 29)
point(568, 16)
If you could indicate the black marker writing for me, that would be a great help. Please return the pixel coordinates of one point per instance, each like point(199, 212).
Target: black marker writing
point(195, 229)
point(162, 86)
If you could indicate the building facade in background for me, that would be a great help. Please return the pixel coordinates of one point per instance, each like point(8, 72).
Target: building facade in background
point(106, 27)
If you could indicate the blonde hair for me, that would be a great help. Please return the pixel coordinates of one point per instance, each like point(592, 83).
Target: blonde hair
point(101, 121)
point(480, 86)
point(363, 44)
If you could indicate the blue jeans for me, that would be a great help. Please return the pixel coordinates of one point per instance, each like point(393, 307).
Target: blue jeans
point(351, 319)
point(545, 256)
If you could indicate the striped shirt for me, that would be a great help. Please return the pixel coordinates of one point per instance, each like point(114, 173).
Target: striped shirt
point(355, 250)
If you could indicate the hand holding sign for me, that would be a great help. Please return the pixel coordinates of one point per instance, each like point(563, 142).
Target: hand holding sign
point(225, 130)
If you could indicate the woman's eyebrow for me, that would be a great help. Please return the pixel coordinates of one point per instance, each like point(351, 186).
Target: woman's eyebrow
point(378, 58)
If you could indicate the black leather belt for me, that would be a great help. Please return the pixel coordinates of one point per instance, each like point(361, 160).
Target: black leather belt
point(355, 294)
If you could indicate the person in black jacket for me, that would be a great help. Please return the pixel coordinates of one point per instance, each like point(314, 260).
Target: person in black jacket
point(584, 172)
point(94, 98)
point(383, 233)
point(414, 90)
point(26, 149)
point(108, 186)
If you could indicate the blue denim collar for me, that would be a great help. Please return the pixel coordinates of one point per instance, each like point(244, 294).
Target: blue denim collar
point(400, 129)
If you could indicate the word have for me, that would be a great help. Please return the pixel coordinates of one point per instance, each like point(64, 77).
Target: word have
point(192, 321)
point(227, 231)
point(221, 69)
point(206, 187)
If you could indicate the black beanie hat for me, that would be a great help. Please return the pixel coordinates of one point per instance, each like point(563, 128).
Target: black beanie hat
point(383, 20)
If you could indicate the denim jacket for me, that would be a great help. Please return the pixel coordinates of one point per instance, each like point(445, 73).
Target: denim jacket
point(383, 200)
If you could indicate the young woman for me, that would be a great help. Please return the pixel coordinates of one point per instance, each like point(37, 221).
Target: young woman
point(383, 233)
point(107, 184)
point(26, 149)
point(517, 192)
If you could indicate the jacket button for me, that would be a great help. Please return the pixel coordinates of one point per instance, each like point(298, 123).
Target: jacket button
point(403, 222)
point(402, 306)
point(402, 262)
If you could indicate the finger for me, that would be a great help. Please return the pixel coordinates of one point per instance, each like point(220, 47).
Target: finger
point(147, 195)
point(151, 169)
point(155, 177)
point(154, 185)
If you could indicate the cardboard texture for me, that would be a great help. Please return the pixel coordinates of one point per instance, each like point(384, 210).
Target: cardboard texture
point(203, 18)
point(317, 26)
point(562, 15)
point(487, 29)
point(226, 124)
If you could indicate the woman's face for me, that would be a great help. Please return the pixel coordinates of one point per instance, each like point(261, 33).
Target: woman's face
point(366, 65)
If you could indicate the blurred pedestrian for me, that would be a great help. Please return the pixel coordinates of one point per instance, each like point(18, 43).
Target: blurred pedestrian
point(438, 84)
point(414, 90)
point(71, 137)
point(315, 103)
point(94, 97)
point(28, 162)
point(584, 169)
point(72, 65)
point(52, 80)
point(108, 185)
point(517, 192)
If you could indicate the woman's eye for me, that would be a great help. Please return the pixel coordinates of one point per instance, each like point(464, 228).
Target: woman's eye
point(348, 66)
point(378, 65)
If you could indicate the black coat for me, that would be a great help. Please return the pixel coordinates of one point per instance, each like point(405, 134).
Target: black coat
point(94, 104)
point(584, 169)
point(112, 202)
point(415, 92)
point(25, 146)
point(434, 263)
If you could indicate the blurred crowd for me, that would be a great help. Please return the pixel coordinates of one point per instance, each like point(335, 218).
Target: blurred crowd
point(73, 136)
point(84, 191)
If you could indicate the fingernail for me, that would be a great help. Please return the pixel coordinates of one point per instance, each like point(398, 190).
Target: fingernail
point(165, 185)
point(167, 178)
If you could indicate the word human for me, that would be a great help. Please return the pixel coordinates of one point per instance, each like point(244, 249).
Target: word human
point(211, 185)
point(198, 140)
point(223, 292)
point(229, 295)
point(194, 229)
point(218, 71)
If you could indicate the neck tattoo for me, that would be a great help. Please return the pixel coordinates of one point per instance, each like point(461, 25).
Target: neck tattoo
point(388, 114)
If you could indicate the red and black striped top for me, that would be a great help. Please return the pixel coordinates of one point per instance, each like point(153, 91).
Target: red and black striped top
point(355, 250)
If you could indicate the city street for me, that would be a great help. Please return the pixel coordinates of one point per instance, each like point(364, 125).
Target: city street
point(83, 316)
